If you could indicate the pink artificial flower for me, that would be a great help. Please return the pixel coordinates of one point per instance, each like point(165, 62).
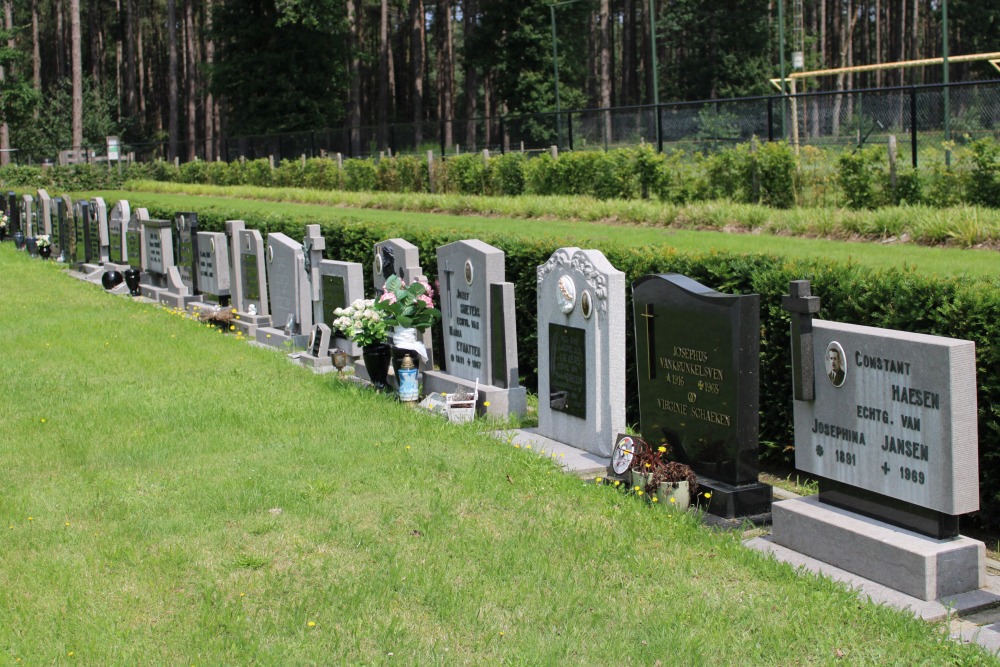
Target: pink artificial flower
point(426, 299)
point(388, 296)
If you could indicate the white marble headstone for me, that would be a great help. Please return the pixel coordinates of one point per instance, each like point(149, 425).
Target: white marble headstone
point(581, 350)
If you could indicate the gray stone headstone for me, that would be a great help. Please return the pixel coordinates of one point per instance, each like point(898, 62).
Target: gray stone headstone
point(402, 258)
point(186, 256)
point(134, 251)
point(159, 251)
point(233, 229)
point(99, 213)
point(480, 342)
point(581, 350)
point(317, 353)
point(117, 229)
point(253, 273)
point(213, 266)
point(313, 245)
point(43, 213)
point(341, 283)
point(288, 286)
point(27, 210)
point(894, 414)
point(86, 233)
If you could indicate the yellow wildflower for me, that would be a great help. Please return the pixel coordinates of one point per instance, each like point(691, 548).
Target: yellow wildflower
point(661, 449)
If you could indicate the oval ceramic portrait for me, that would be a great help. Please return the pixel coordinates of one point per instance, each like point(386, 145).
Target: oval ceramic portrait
point(836, 364)
point(270, 253)
point(566, 296)
point(586, 304)
point(378, 262)
point(469, 277)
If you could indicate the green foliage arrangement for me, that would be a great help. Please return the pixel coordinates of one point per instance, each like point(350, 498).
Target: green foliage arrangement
point(967, 308)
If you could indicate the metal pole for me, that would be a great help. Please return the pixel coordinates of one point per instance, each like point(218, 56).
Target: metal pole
point(555, 72)
point(781, 60)
point(913, 125)
point(944, 56)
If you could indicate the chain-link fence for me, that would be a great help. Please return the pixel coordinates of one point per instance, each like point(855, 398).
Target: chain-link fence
point(845, 119)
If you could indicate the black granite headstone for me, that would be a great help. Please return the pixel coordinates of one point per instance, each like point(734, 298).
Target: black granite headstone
point(251, 278)
point(568, 370)
point(186, 248)
point(79, 244)
point(133, 242)
point(14, 213)
point(698, 369)
point(334, 296)
point(93, 233)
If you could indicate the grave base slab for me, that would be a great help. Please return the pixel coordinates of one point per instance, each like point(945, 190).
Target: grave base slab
point(93, 272)
point(277, 337)
point(914, 564)
point(729, 501)
point(173, 300)
point(249, 324)
point(502, 402)
point(314, 362)
point(151, 292)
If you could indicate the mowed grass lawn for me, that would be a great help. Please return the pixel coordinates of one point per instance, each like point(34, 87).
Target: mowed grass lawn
point(174, 496)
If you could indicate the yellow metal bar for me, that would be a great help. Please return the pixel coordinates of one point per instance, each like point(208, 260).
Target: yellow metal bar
point(991, 58)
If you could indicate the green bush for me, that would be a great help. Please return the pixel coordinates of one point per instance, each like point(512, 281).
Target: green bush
point(859, 174)
point(541, 176)
point(984, 181)
point(507, 174)
point(468, 174)
point(360, 174)
point(778, 171)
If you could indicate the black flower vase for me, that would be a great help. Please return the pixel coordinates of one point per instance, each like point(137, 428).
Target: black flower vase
point(132, 280)
point(3, 234)
point(44, 251)
point(19, 240)
point(377, 358)
point(111, 279)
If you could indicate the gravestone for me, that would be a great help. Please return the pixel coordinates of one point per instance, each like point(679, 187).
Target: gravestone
point(28, 222)
point(699, 385)
point(159, 257)
point(317, 352)
point(135, 239)
point(182, 277)
point(341, 283)
point(289, 290)
point(581, 350)
point(213, 272)
point(66, 241)
point(480, 341)
point(43, 214)
point(117, 228)
point(249, 280)
point(887, 421)
point(402, 258)
point(313, 245)
point(99, 213)
point(14, 213)
point(134, 250)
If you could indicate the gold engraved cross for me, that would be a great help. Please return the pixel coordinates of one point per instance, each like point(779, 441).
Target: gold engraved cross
point(650, 341)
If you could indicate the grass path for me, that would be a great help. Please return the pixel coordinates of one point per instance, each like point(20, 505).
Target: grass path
point(944, 261)
point(173, 496)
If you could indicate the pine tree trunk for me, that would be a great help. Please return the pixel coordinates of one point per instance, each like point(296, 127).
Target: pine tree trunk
point(417, 42)
point(211, 150)
point(383, 76)
point(173, 121)
point(605, 71)
point(447, 74)
point(129, 83)
point(8, 12)
point(191, 59)
point(469, 12)
point(76, 56)
point(354, 75)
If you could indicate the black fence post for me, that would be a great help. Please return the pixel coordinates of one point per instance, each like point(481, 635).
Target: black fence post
point(441, 136)
point(501, 136)
point(569, 129)
point(913, 126)
point(659, 129)
point(770, 119)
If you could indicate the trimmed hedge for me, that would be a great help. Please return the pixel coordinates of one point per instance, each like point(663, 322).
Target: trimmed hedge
point(896, 299)
point(751, 173)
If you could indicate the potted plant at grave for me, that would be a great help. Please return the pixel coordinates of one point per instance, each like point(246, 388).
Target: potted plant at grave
point(409, 310)
point(362, 323)
point(44, 246)
point(665, 482)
